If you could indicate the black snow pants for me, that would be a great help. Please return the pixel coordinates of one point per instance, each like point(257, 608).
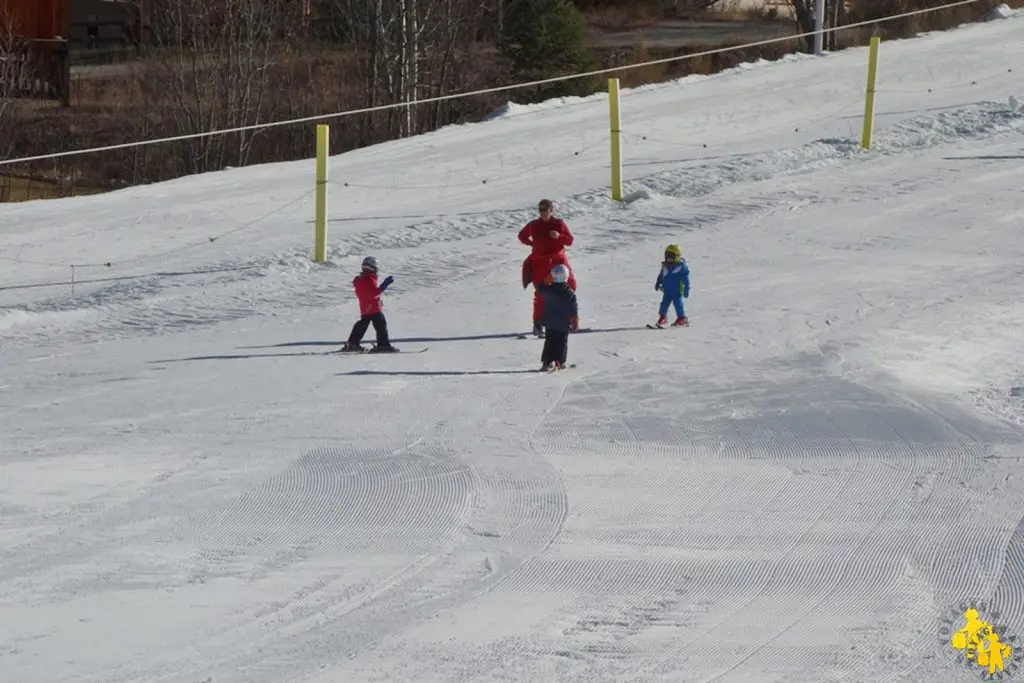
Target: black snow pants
point(380, 326)
point(556, 347)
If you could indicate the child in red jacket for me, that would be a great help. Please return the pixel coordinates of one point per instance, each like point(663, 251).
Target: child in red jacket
point(370, 310)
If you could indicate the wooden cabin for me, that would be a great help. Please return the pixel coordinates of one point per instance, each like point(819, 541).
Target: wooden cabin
point(99, 24)
point(35, 19)
point(34, 48)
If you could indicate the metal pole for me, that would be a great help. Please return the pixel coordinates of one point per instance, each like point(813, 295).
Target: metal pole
point(819, 21)
point(869, 99)
point(323, 138)
point(616, 130)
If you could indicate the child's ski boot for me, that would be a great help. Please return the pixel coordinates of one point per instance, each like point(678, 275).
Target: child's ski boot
point(681, 322)
point(383, 348)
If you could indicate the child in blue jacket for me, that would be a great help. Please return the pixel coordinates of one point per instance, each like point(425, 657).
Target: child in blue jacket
point(674, 281)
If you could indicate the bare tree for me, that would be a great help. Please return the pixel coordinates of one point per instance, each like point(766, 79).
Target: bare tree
point(13, 71)
point(410, 61)
point(210, 65)
point(408, 49)
point(835, 16)
point(212, 60)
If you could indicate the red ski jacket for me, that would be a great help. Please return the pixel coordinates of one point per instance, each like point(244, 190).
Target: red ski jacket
point(536, 267)
point(537, 234)
point(368, 292)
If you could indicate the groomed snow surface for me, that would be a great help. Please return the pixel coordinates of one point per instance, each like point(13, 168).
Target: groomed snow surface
point(796, 488)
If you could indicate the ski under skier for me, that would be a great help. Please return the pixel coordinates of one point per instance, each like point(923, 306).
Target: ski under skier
point(561, 314)
point(547, 236)
point(370, 310)
point(674, 281)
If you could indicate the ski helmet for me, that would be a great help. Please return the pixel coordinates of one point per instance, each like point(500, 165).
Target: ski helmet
point(560, 273)
point(673, 254)
point(370, 264)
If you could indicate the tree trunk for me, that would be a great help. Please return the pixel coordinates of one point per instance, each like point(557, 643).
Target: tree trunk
point(13, 55)
point(215, 58)
point(835, 16)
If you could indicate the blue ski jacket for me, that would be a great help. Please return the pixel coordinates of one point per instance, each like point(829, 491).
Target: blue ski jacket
point(674, 279)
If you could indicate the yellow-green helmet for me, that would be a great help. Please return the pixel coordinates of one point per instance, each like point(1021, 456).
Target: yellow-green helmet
point(673, 254)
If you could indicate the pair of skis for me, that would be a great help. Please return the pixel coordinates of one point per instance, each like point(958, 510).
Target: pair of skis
point(650, 326)
point(373, 351)
point(558, 369)
point(366, 352)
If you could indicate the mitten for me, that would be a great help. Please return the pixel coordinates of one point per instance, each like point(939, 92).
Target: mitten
point(575, 323)
point(686, 292)
point(657, 286)
point(387, 282)
point(555, 234)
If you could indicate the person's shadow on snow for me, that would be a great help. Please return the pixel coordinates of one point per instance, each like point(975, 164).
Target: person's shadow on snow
point(438, 373)
point(468, 337)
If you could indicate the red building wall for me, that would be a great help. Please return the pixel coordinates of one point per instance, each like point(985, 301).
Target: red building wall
point(34, 18)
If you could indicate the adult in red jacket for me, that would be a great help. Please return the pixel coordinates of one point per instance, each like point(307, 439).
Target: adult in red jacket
point(547, 236)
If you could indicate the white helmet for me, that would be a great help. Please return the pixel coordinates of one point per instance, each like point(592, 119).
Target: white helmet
point(560, 273)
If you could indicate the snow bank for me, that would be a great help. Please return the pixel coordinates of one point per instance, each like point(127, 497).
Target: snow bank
point(1001, 12)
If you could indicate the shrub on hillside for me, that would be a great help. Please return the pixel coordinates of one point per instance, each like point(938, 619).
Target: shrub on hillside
point(548, 38)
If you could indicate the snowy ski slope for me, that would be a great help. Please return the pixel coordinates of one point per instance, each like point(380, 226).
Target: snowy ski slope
point(796, 488)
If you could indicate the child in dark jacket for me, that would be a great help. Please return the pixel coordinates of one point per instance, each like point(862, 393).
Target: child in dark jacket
point(560, 314)
point(370, 310)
